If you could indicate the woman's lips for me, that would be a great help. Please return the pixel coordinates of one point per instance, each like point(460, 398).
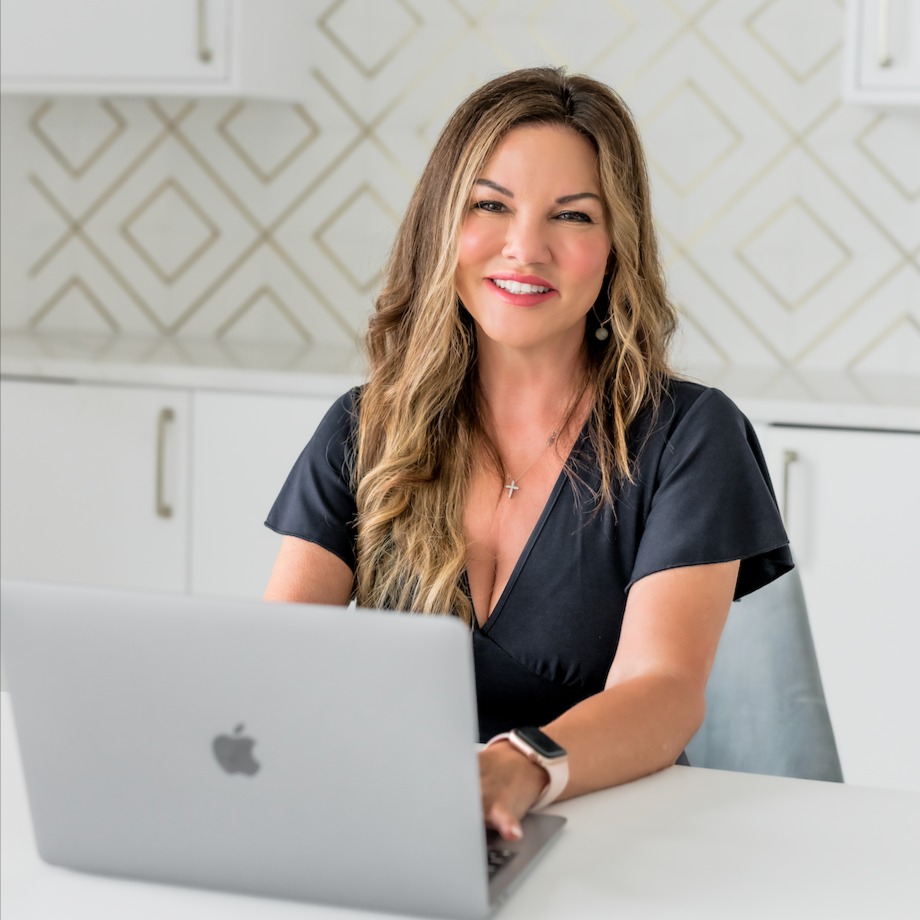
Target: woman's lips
point(521, 290)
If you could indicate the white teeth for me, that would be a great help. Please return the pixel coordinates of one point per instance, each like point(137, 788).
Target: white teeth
point(515, 287)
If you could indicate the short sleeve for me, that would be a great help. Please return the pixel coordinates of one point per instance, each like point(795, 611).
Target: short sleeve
point(316, 502)
point(712, 500)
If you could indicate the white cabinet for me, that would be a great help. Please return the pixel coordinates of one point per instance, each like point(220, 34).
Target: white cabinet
point(156, 47)
point(145, 487)
point(882, 52)
point(93, 480)
point(243, 449)
point(852, 507)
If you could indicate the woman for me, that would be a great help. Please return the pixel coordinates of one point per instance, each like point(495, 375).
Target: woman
point(521, 457)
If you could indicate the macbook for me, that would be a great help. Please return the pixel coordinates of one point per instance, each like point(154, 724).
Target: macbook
point(311, 753)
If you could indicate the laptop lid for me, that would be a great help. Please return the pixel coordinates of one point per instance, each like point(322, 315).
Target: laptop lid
point(310, 753)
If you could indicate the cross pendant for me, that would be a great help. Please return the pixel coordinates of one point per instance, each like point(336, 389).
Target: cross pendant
point(512, 487)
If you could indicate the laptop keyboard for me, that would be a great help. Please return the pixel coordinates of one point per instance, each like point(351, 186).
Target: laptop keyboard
point(497, 854)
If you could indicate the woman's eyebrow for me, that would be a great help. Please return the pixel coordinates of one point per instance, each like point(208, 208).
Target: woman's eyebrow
point(494, 185)
point(565, 199)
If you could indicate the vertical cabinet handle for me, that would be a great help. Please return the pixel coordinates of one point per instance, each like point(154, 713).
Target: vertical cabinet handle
point(789, 457)
point(166, 416)
point(204, 51)
point(883, 49)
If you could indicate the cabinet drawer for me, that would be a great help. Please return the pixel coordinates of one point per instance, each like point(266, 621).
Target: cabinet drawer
point(244, 447)
point(94, 480)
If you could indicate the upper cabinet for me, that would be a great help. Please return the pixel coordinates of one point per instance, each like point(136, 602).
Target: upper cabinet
point(156, 47)
point(882, 52)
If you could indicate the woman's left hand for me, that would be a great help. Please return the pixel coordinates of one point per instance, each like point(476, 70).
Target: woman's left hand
point(510, 785)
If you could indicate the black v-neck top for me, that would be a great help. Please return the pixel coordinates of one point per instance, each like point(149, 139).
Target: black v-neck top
point(701, 494)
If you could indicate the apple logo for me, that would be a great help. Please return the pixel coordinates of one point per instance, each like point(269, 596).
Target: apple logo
point(234, 752)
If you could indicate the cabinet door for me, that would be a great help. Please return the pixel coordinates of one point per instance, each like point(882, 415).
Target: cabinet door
point(93, 484)
point(882, 52)
point(852, 501)
point(114, 41)
point(244, 447)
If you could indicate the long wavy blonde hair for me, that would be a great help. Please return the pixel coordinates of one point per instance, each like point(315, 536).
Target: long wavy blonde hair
point(419, 414)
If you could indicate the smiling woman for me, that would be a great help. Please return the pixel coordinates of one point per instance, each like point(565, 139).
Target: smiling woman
point(522, 457)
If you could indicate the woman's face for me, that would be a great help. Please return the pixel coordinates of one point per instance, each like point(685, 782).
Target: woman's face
point(534, 245)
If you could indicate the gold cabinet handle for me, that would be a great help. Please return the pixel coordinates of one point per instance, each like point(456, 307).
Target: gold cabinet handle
point(165, 417)
point(789, 457)
point(204, 52)
point(882, 47)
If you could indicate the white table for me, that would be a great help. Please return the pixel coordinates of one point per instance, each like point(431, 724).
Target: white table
point(685, 843)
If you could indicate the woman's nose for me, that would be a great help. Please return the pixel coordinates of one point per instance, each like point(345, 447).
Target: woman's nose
point(526, 242)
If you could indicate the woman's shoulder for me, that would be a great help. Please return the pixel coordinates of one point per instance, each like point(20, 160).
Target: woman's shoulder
point(340, 421)
point(346, 406)
point(350, 399)
point(684, 393)
point(685, 411)
point(683, 400)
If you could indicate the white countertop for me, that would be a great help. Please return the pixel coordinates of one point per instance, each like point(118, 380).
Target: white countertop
point(837, 399)
point(806, 397)
point(686, 843)
point(317, 370)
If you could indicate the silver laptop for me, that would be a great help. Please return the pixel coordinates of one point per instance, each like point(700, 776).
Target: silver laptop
point(310, 753)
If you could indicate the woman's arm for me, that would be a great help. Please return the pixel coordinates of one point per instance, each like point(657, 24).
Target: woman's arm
point(652, 705)
point(308, 574)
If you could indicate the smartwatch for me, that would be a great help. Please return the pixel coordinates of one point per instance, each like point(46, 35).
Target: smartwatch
point(542, 750)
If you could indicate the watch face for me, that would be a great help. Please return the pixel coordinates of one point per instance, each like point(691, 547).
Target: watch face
point(541, 743)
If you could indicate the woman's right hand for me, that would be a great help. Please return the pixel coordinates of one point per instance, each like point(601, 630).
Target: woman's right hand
point(511, 783)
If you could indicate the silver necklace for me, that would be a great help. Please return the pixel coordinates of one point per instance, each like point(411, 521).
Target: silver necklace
point(513, 486)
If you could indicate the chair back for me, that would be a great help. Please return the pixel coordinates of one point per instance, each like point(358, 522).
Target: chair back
point(765, 706)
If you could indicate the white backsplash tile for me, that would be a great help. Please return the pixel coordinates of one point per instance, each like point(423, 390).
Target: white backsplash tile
point(790, 221)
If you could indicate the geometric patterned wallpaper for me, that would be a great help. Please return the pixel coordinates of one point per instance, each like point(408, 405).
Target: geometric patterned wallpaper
point(790, 220)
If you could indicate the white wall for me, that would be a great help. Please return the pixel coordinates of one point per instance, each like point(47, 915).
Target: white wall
point(790, 220)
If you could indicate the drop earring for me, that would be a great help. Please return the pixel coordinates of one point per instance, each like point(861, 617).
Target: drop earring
point(602, 333)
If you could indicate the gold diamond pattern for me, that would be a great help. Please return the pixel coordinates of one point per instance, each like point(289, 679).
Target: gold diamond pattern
point(906, 181)
point(719, 139)
point(86, 296)
point(774, 277)
point(343, 22)
point(273, 232)
point(188, 219)
point(237, 141)
point(905, 329)
point(264, 294)
point(615, 24)
point(809, 50)
point(107, 133)
point(365, 204)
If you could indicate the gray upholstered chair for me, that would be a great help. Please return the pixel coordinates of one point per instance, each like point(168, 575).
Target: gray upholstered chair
point(766, 711)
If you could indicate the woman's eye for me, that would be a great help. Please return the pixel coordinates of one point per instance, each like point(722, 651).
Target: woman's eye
point(575, 216)
point(493, 206)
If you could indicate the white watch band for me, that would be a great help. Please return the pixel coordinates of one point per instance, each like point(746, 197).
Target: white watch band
point(557, 768)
